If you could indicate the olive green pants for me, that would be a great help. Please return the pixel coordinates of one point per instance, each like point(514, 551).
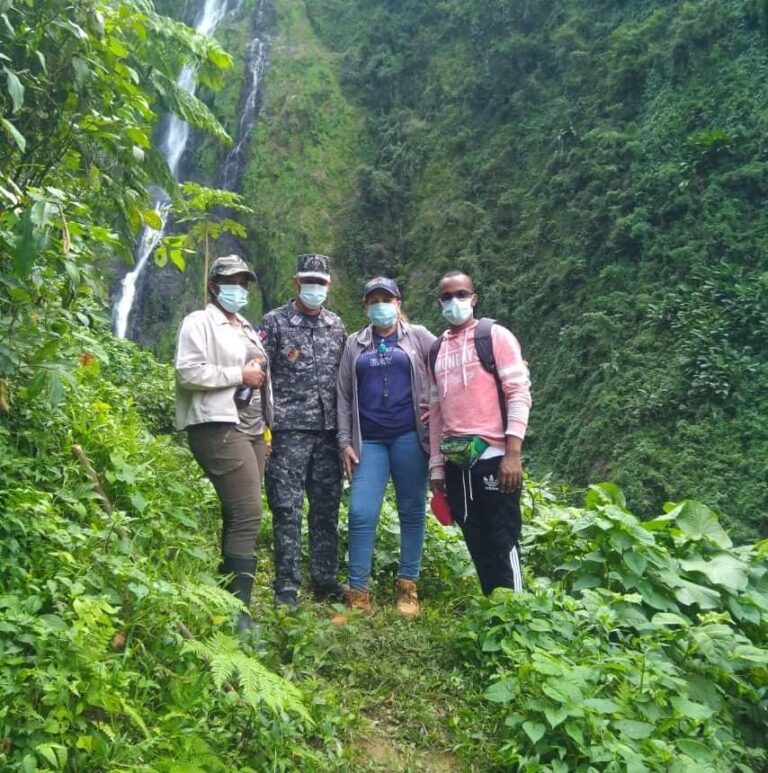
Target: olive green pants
point(234, 463)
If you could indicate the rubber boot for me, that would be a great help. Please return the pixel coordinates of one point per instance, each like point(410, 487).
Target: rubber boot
point(333, 590)
point(241, 585)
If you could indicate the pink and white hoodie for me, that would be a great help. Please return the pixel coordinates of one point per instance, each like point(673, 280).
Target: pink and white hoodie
point(463, 395)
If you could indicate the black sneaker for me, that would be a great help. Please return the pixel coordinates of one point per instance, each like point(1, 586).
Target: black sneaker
point(333, 590)
point(287, 598)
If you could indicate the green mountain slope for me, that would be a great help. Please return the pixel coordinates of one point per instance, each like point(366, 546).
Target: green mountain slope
point(600, 168)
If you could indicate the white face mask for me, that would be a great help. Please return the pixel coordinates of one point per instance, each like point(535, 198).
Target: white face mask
point(232, 297)
point(382, 314)
point(313, 296)
point(456, 311)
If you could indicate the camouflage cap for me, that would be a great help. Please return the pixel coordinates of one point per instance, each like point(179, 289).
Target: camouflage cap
point(381, 283)
point(229, 265)
point(312, 264)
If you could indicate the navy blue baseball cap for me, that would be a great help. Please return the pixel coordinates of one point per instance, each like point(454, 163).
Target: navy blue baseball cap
point(381, 283)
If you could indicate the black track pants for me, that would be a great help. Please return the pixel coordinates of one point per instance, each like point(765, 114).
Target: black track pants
point(490, 521)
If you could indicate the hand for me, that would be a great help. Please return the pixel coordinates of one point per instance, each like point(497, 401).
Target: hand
point(349, 460)
point(424, 415)
point(253, 375)
point(437, 485)
point(510, 472)
point(267, 449)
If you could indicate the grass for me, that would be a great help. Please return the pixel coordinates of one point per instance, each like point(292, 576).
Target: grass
point(387, 687)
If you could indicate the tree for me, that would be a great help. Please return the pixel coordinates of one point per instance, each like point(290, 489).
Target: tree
point(81, 87)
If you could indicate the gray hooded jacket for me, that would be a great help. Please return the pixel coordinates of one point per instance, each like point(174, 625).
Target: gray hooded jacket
point(415, 341)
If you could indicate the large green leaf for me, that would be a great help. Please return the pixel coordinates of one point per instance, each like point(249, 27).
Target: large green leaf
point(669, 618)
point(696, 750)
point(635, 561)
point(606, 493)
point(31, 240)
point(502, 691)
point(689, 593)
point(601, 705)
point(695, 522)
point(634, 728)
point(723, 569)
point(17, 137)
point(534, 730)
point(695, 711)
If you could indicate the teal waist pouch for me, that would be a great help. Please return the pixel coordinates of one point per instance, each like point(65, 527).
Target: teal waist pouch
point(462, 450)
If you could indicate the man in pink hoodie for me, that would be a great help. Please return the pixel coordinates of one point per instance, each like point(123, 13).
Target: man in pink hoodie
point(475, 441)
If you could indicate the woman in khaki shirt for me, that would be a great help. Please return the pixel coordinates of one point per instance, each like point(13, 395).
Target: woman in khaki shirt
point(224, 402)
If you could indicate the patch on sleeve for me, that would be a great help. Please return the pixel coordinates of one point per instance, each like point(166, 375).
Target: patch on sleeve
point(263, 334)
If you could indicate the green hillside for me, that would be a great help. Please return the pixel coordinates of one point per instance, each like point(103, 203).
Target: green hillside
point(600, 168)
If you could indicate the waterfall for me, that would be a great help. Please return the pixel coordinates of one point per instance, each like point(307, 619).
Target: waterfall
point(256, 60)
point(172, 145)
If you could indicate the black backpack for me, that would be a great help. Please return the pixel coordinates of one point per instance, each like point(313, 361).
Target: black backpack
point(484, 348)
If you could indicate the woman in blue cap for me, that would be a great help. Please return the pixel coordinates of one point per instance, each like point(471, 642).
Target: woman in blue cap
point(383, 393)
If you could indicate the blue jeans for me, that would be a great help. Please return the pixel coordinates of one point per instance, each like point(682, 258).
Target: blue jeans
point(404, 459)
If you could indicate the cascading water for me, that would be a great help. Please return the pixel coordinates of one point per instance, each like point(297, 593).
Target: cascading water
point(172, 145)
point(256, 60)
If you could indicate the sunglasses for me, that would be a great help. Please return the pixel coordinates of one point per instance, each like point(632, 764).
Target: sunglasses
point(462, 295)
point(312, 280)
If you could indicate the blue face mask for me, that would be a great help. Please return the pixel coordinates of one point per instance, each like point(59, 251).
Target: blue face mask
point(232, 297)
point(313, 296)
point(382, 314)
point(456, 311)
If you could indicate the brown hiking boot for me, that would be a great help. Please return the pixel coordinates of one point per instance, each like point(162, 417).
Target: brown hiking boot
point(358, 599)
point(407, 597)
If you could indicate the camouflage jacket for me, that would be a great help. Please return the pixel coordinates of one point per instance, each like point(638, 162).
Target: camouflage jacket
point(304, 354)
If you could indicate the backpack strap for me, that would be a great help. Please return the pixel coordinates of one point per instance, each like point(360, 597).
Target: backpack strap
point(484, 347)
point(484, 344)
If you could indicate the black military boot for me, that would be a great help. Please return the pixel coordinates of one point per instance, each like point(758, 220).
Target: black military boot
point(329, 589)
point(240, 585)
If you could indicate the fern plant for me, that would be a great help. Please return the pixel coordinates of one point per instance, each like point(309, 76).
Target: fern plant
point(258, 685)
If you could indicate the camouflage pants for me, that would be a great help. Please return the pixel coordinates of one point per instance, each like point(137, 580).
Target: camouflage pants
point(304, 461)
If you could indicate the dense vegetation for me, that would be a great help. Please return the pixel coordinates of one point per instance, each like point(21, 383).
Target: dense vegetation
point(640, 645)
point(601, 170)
point(81, 89)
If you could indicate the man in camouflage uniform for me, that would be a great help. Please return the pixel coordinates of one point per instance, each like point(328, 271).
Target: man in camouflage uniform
point(304, 342)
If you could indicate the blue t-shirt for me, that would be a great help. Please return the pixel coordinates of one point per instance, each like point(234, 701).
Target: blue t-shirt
point(384, 390)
